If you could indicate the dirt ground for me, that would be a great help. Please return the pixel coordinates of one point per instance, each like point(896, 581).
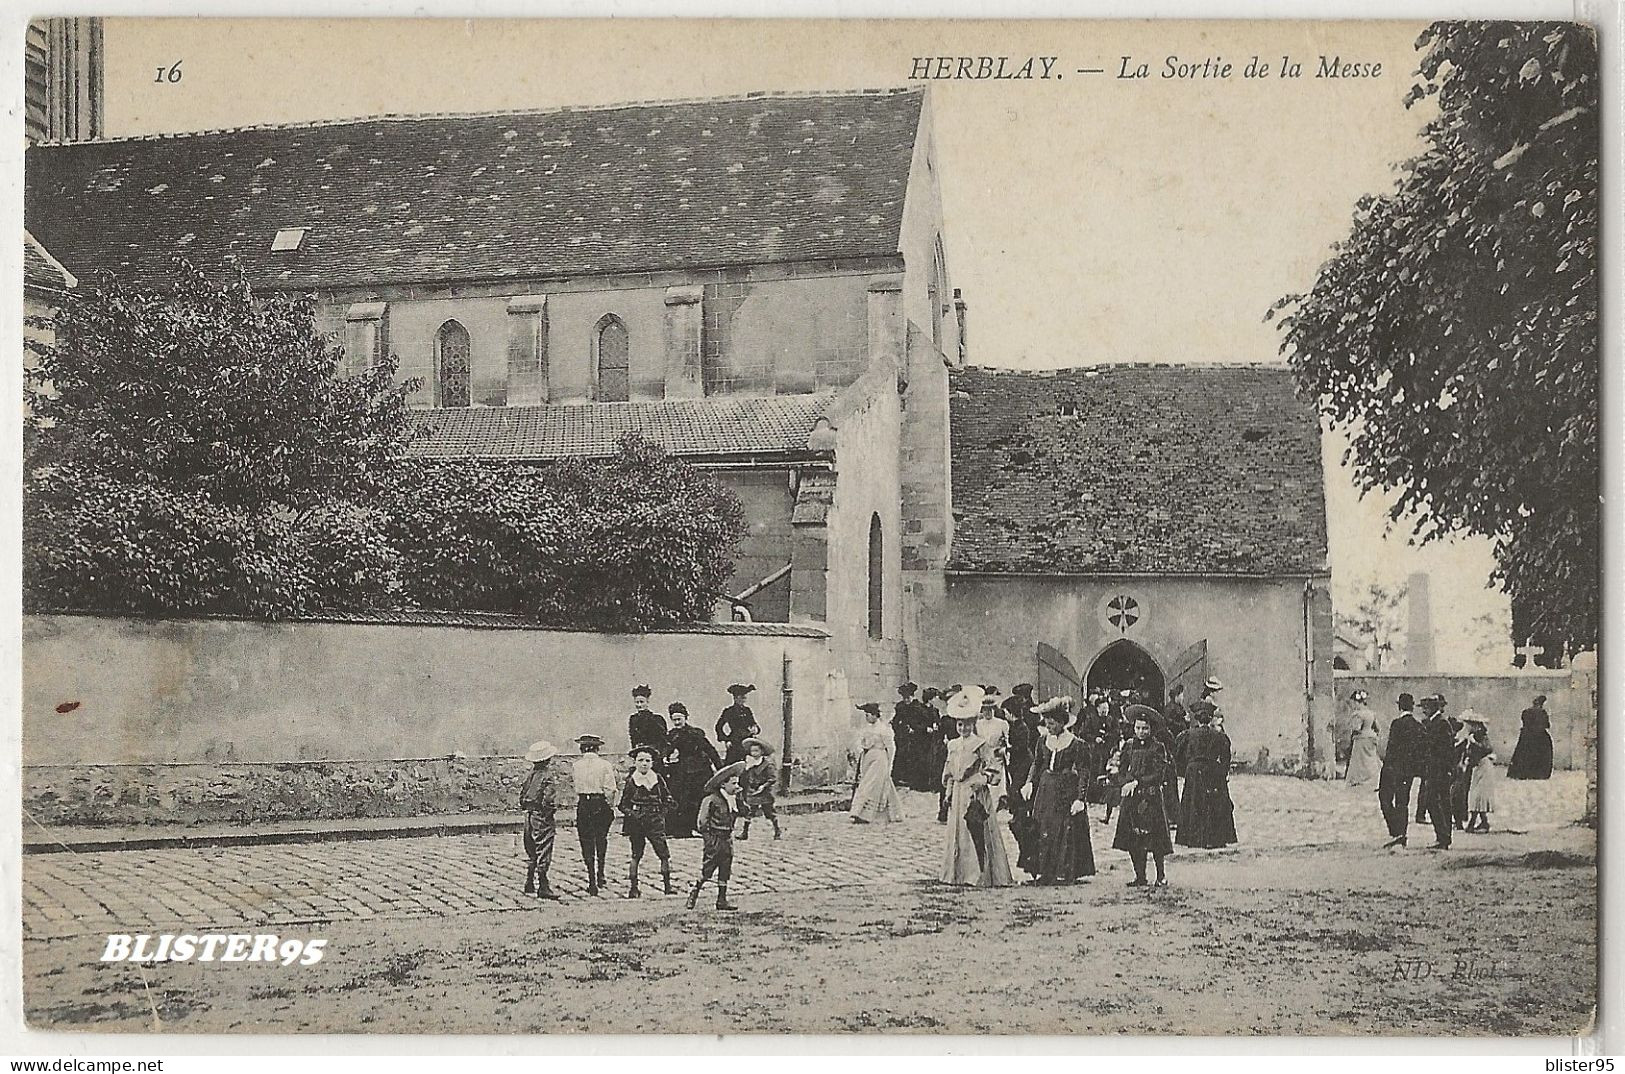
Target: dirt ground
point(1494, 938)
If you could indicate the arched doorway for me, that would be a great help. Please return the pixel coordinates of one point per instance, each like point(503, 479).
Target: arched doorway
point(1125, 666)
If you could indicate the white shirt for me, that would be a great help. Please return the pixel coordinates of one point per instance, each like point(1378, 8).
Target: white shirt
point(593, 775)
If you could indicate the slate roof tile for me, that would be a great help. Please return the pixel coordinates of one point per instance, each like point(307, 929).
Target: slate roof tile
point(567, 192)
point(1182, 469)
point(684, 427)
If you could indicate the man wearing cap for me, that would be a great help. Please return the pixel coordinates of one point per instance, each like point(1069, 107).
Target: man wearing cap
point(538, 799)
point(690, 760)
point(595, 789)
point(736, 724)
point(1401, 763)
point(716, 824)
point(646, 727)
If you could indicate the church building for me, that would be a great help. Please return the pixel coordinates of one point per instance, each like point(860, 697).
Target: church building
point(759, 284)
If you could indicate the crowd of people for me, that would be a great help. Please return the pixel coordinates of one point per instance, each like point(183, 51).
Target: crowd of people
point(1037, 767)
point(1448, 760)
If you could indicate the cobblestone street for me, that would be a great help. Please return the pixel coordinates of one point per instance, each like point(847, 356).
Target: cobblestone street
point(67, 894)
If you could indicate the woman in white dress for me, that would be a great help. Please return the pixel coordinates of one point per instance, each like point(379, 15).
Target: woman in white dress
point(974, 854)
point(1363, 763)
point(875, 799)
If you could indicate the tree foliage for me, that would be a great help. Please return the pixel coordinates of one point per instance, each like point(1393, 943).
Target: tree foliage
point(197, 450)
point(1374, 623)
point(626, 543)
point(1454, 331)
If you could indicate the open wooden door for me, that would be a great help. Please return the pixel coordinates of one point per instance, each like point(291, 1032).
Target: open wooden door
point(1189, 670)
point(1056, 676)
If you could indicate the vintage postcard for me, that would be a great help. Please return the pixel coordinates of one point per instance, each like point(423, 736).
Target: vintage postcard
point(738, 527)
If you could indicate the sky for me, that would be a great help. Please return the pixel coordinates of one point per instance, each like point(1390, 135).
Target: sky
point(1089, 218)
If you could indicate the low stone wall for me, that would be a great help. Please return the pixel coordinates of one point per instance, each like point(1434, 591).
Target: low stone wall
point(1500, 699)
point(227, 793)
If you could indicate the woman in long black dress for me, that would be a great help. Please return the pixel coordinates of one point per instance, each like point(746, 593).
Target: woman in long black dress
point(1142, 825)
point(1058, 788)
point(1206, 817)
point(690, 761)
point(1532, 757)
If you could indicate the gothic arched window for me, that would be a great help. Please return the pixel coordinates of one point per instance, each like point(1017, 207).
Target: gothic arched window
point(451, 364)
point(612, 361)
point(877, 568)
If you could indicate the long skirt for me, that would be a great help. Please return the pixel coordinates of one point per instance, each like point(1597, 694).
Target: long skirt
point(1142, 823)
point(875, 798)
point(1208, 818)
point(1363, 762)
point(687, 792)
point(1481, 796)
point(1062, 850)
point(975, 853)
point(1532, 758)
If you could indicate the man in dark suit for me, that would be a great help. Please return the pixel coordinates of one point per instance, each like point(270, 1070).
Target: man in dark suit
point(1441, 764)
point(1400, 765)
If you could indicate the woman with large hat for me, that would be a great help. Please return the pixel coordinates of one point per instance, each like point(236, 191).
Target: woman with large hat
point(1058, 788)
point(1363, 761)
point(737, 723)
point(1142, 823)
point(974, 853)
point(874, 796)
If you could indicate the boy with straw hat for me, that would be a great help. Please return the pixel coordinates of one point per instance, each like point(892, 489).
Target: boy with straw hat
point(538, 800)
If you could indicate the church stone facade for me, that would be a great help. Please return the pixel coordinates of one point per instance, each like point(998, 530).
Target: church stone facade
point(759, 285)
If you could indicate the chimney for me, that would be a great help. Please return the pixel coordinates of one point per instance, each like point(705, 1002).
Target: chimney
point(1419, 656)
point(960, 315)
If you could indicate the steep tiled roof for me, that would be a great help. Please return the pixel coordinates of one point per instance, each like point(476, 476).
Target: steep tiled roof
point(693, 427)
point(1186, 469)
point(41, 270)
point(631, 188)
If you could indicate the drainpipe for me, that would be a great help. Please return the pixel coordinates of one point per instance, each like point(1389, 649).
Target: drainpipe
point(1309, 676)
point(789, 709)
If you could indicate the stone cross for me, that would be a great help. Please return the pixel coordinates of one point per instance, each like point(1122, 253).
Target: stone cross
point(1529, 650)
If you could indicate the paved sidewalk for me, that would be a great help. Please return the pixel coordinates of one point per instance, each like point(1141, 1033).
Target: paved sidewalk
point(231, 887)
point(40, 839)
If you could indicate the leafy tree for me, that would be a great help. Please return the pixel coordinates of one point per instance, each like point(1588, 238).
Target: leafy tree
point(633, 541)
point(1374, 621)
point(194, 449)
point(1454, 332)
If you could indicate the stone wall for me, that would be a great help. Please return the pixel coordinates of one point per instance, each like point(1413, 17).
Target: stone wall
point(1499, 699)
point(223, 715)
point(764, 329)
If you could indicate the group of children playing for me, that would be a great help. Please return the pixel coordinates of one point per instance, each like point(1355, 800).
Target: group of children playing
point(743, 789)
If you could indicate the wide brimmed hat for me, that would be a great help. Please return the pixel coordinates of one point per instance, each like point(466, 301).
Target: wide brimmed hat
point(1472, 716)
point(908, 689)
point(1213, 684)
point(1142, 712)
point(650, 750)
point(966, 704)
point(642, 691)
point(1061, 705)
point(749, 742)
point(740, 690)
point(1022, 689)
point(870, 707)
point(542, 750)
point(593, 741)
point(724, 774)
